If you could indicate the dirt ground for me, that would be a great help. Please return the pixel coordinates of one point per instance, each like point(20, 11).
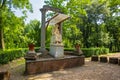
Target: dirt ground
point(90, 71)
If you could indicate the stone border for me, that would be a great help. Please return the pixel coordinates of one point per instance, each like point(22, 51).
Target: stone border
point(113, 60)
point(103, 59)
point(118, 61)
point(94, 58)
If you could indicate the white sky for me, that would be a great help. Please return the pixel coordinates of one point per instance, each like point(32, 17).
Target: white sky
point(36, 4)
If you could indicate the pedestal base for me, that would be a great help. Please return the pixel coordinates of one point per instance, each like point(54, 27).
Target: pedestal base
point(43, 51)
point(53, 64)
point(57, 50)
point(31, 55)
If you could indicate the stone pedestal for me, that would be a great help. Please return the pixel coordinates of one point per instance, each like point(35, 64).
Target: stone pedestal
point(31, 55)
point(57, 50)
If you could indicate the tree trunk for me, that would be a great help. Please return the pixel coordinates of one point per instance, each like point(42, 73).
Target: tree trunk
point(2, 46)
point(1, 32)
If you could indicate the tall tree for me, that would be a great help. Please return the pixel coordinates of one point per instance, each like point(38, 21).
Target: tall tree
point(6, 14)
point(96, 12)
point(97, 21)
point(32, 32)
point(112, 24)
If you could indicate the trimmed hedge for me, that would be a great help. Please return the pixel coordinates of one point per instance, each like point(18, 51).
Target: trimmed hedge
point(12, 54)
point(69, 49)
point(9, 55)
point(94, 51)
point(88, 52)
point(91, 51)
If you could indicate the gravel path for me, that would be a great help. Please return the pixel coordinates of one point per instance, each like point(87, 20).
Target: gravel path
point(90, 71)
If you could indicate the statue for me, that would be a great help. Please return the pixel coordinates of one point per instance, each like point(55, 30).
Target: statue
point(56, 46)
point(56, 35)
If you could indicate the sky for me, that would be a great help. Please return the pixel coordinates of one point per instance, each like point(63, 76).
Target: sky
point(37, 5)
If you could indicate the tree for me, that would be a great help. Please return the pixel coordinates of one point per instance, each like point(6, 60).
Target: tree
point(96, 12)
point(68, 38)
point(13, 32)
point(32, 32)
point(95, 22)
point(5, 11)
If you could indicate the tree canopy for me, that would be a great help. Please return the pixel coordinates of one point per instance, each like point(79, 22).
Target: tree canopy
point(95, 23)
point(93, 20)
point(8, 20)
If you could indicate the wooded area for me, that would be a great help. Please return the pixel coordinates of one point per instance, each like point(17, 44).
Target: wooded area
point(94, 23)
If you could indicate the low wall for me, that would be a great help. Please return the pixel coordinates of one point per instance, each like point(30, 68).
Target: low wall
point(53, 64)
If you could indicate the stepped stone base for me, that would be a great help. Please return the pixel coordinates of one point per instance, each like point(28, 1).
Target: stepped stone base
point(30, 56)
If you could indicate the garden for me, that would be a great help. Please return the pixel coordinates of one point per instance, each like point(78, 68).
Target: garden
point(93, 25)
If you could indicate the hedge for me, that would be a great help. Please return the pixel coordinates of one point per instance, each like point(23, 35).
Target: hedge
point(91, 51)
point(12, 54)
point(94, 51)
point(9, 55)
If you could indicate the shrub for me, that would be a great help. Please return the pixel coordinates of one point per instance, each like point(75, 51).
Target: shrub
point(9, 55)
point(91, 51)
point(94, 51)
point(12, 54)
point(69, 49)
point(37, 49)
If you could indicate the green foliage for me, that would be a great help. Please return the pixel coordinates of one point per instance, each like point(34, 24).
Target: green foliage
point(94, 51)
point(69, 49)
point(57, 3)
point(32, 33)
point(9, 55)
point(48, 35)
point(77, 42)
point(10, 23)
point(12, 54)
point(68, 38)
point(91, 51)
point(13, 33)
point(113, 27)
point(94, 22)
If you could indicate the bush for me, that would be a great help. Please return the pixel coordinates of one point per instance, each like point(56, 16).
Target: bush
point(94, 51)
point(91, 51)
point(12, 54)
point(69, 49)
point(37, 49)
point(9, 55)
